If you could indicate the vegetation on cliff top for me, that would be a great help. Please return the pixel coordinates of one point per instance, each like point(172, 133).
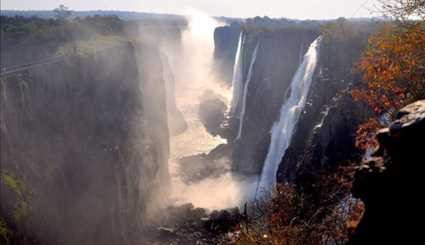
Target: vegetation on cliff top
point(27, 30)
point(393, 67)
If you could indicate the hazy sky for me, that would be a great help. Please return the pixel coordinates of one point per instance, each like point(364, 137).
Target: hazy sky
point(301, 9)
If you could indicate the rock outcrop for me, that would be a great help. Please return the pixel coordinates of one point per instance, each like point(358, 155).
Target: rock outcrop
point(203, 166)
point(391, 182)
point(212, 112)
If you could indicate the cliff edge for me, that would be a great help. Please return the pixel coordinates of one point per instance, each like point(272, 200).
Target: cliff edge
point(389, 184)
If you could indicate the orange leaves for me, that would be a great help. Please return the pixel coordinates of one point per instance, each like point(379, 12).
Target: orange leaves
point(324, 214)
point(393, 57)
point(365, 135)
point(393, 72)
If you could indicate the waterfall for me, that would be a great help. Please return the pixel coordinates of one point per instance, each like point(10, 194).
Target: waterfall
point(290, 111)
point(237, 75)
point(245, 91)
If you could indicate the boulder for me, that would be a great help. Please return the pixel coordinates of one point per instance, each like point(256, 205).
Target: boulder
point(212, 111)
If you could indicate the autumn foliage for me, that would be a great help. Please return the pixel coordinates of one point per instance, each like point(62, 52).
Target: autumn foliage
point(365, 135)
point(325, 214)
point(393, 68)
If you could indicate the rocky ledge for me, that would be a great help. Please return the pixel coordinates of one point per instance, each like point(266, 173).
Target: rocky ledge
point(390, 183)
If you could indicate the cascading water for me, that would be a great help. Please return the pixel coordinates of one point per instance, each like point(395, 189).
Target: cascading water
point(237, 75)
point(240, 89)
point(245, 91)
point(290, 111)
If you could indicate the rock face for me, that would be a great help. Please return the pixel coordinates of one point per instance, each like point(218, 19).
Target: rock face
point(390, 183)
point(88, 138)
point(279, 55)
point(225, 42)
point(325, 134)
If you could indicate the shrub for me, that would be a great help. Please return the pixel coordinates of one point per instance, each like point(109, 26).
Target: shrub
point(326, 214)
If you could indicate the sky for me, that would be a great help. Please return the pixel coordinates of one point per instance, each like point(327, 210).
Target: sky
point(297, 9)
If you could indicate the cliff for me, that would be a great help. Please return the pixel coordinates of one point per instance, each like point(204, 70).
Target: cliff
point(325, 134)
point(279, 55)
point(225, 42)
point(389, 183)
point(87, 137)
point(176, 121)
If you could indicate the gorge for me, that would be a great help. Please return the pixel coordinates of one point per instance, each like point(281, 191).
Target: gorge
point(178, 129)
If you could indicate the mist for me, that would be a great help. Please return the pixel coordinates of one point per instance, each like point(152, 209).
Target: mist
point(194, 73)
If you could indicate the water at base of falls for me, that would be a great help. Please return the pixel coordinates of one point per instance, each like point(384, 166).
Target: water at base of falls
point(219, 191)
point(290, 111)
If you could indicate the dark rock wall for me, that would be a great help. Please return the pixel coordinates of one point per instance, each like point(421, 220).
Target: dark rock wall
point(389, 184)
point(225, 45)
point(324, 137)
point(325, 134)
point(88, 137)
point(279, 55)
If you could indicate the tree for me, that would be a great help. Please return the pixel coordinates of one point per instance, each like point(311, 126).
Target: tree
point(393, 66)
point(62, 12)
point(402, 9)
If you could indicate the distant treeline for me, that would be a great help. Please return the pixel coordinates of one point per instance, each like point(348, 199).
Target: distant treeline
point(24, 29)
point(124, 15)
point(28, 39)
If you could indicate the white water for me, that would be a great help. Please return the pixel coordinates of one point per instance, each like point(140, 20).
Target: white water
point(245, 91)
point(290, 111)
point(237, 75)
point(194, 75)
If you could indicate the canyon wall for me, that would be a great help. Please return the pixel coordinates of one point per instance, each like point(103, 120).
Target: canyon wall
point(324, 136)
point(279, 55)
point(86, 138)
point(225, 42)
